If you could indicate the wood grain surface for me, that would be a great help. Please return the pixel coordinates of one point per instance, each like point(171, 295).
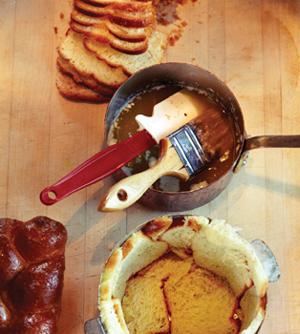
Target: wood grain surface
point(251, 45)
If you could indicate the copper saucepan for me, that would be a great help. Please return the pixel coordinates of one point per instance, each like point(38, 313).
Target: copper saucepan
point(191, 76)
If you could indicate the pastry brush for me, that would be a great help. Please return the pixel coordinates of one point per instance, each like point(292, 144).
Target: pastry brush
point(183, 154)
point(168, 115)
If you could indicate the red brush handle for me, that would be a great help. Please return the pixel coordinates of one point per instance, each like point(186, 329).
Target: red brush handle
point(98, 167)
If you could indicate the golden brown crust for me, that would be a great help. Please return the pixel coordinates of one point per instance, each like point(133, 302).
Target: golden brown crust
point(31, 275)
point(119, 313)
point(193, 224)
point(114, 260)
point(119, 13)
point(73, 90)
point(101, 34)
point(87, 64)
point(123, 33)
point(111, 268)
point(157, 226)
point(65, 66)
point(127, 247)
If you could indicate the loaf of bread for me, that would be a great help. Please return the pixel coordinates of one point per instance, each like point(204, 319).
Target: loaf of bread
point(69, 88)
point(88, 80)
point(210, 278)
point(32, 265)
point(108, 41)
point(87, 64)
point(130, 63)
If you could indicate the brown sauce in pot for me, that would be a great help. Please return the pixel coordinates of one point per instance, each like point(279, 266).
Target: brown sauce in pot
point(125, 126)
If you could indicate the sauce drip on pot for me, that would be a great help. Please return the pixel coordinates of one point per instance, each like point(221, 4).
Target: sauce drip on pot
point(125, 126)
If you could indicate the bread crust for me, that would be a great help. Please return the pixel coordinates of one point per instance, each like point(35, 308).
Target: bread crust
point(87, 64)
point(130, 63)
point(89, 81)
point(107, 41)
point(31, 274)
point(128, 15)
point(123, 33)
point(157, 226)
point(76, 91)
point(101, 34)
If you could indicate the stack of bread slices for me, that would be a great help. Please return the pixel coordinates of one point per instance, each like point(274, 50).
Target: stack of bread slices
point(107, 41)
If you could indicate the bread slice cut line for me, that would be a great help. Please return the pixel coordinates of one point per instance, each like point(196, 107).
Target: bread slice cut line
point(124, 5)
point(87, 64)
point(89, 81)
point(127, 10)
point(130, 63)
point(101, 34)
point(124, 33)
point(76, 91)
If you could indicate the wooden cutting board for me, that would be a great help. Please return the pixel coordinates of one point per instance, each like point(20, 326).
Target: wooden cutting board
point(251, 45)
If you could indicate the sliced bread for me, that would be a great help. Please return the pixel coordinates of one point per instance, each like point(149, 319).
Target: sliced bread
point(201, 302)
point(130, 63)
point(76, 91)
point(89, 81)
point(124, 33)
point(144, 306)
point(103, 3)
point(101, 34)
point(128, 14)
point(137, 251)
point(169, 265)
point(87, 64)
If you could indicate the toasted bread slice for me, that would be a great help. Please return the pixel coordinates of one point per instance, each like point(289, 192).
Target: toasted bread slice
point(100, 33)
point(127, 15)
point(125, 33)
point(75, 91)
point(89, 81)
point(87, 64)
point(130, 63)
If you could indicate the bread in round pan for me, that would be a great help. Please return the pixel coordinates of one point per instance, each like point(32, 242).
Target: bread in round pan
point(212, 245)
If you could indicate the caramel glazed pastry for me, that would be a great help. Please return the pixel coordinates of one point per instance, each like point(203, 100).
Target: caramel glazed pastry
point(32, 265)
point(183, 275)
point(107, 41)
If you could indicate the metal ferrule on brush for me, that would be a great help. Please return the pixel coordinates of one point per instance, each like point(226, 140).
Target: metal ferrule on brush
point(189, 149)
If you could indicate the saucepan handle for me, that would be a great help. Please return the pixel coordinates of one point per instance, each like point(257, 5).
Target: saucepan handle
point(268, 260)
point(94, 326)
point(252, 143)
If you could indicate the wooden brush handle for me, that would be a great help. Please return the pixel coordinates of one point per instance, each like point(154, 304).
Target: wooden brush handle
point(129, 190)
